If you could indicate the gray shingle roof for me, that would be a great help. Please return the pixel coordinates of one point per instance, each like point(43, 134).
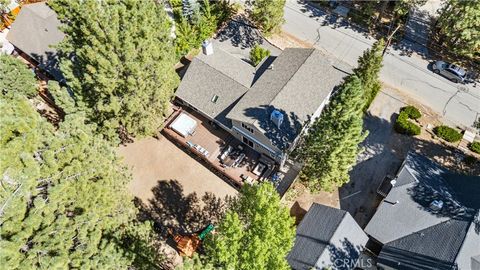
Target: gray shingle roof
point(201, 82)
point(409, 229)
point(325, 234)
point(298, 83)
point(34, 31)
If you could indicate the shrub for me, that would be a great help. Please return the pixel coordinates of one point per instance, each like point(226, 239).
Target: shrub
point(412, 112)
point(475, 147)
point(447, 133)
point(403, 125)
point(257, 54)
point(470, 160)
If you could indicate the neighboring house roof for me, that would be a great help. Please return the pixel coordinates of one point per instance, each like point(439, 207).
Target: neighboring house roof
point(295, 83)
point(417, 237)
point(324, 236)
point(34, 31)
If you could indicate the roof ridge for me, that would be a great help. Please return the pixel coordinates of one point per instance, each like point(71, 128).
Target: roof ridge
point(240, 61)
point(235, 81)
point(471, 223)
point(338, 227)
point(283, 86)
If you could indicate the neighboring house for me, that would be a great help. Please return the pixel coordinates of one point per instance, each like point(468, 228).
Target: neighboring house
point(429, 219)
point(266, 107)
point(34, 32)
point(327, 238)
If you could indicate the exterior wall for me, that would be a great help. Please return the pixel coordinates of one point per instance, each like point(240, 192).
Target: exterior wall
point(261, 143)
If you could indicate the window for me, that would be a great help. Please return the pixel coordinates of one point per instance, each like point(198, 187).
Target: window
point(247, 141)
point(247, 128)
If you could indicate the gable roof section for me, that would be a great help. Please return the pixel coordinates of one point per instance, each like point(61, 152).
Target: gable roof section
point(434, 248)
point(324, 233)
point(410, 229)
point(297, 83)
point(202, 82)
point(34, 31)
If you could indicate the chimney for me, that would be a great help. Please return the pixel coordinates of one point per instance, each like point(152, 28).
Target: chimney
point(277, 118)
point(207, 47)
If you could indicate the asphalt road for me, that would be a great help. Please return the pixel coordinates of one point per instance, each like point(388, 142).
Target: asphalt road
point(457, 104)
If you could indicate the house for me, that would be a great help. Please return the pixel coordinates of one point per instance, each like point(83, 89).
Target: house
point(34, 32)
point(327, 238)
point(267, 107)
point(429, 219)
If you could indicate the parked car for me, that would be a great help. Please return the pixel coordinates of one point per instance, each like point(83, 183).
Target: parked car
point(450, 71)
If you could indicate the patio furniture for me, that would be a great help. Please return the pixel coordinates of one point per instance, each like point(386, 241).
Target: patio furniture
point(258, 170)
point(225, 153)
point(239, 160)
point(247, 179)
point(201, 150)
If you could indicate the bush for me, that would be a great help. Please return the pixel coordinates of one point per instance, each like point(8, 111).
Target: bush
point(412, 112)
point(447, 133)
point(403, 125)
point(475, 147)
point(257, 54)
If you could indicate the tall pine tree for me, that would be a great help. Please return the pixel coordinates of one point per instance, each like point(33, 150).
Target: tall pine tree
point(256, 233)
point(331, 146)
point(268, 15)
point(368, 70)
point(63, 201)
point(118, 59)
point(16, 77)
point(459, 24)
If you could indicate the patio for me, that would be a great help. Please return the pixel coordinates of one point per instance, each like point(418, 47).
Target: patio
point(222, 153)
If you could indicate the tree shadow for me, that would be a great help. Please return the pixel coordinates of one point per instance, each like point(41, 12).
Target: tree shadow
point(345, 256)
point(417, 33)
point(282, 137)
point(240, 32)
point(329, 18)
point(171, 209)
point(50, 63)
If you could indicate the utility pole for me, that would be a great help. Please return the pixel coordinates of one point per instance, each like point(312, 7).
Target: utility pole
point(389, 40)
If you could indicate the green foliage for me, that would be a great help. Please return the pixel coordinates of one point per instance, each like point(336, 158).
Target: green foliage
point(194, 263)
point(402, 7)
point(268, 15)
point(470, 160)
point(447, 133)
point(403, 125)
point(475, 147)
point(330, 148)
point(191, 34)
point(368, 70)
point(16, 77)
point(63, 199)
point(459, 24)
point(122, 75)
point(256, 233)
point(257, 54)
point(412, 112)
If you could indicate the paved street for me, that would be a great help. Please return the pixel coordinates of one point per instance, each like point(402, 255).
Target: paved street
point(458, 104)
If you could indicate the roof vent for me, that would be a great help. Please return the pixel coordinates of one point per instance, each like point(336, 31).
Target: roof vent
point(270, 67)
point(214, 99)
point(436, 205)
point(277, 118)
point(207, 47)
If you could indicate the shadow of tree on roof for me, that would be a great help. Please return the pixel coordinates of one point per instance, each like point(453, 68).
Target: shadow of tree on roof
point(280, 137)
point(170, 208)
point(344, 257)
point(241, 33)
point(393, 257)
point(50, 63)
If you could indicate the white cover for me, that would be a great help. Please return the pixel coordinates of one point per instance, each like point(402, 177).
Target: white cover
point(184, 125)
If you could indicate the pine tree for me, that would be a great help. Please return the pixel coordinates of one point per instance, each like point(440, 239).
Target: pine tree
point(268, 15)
point(459, 24)
point(256, 233)
point(368, 70)
point(63, 201)
point(16, 77)
point(331, 146)
point(118, 60)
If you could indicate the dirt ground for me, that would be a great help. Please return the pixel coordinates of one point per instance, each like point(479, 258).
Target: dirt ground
point(155, 160)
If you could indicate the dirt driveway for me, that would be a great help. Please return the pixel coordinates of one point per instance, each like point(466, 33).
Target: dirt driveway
point(155, 160)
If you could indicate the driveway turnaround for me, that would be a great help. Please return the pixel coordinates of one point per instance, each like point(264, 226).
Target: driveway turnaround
point(153, 160)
